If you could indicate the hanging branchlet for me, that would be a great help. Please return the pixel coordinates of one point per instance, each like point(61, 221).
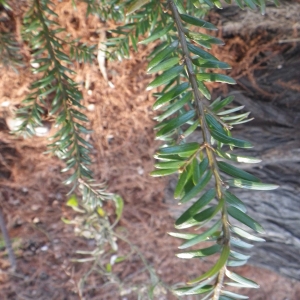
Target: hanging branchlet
point(10, 51)
point(55, 92)
point(56, 96)
point(184, 66)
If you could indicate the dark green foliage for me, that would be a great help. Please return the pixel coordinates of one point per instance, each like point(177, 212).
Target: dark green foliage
point(56, 92)
point(198, 164)
point(55, 95)
point(9, 50)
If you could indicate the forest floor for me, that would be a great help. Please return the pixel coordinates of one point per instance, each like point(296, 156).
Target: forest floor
point(33, 198)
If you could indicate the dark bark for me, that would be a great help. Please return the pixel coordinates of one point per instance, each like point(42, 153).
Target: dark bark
point(283, 19)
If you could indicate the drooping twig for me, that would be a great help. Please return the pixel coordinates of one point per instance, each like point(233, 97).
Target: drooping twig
point(200, 108)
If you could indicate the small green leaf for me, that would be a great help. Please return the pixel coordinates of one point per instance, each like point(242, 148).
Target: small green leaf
point(197, 22)
point(217, 267)
point(174, 107)
point(163, 172)
point(71, 179)
point(47, 92)
point(212, 77)
point(214, 123)
point(78, 115)
point(101, 212)
point(233, 295)
point(119, 206)
point(250, 4)
point(185, 236)
point(245, 281)
point(120, 259)
point(238, 158)
point(134, 42)
point(217, 3)
point(175, 123)
point(239, 243)
point(245, 184)
point(193, 291)
point(235, 284)
point(199, 204)
point(164, 65)
point(195, 171)
point(204, 44)
point(240, 122)
point(189, 183)
point(200, 252)
point(108, 268)
point(210, 64)
point(245, 234)
point(180, 6)
point(202, 53)
point(236, 263)
point(224, 297)
point(191, 129)
point(204, 39)
point(135, 5)
point(163, 54)
point(168, 158)
point(189, 223)
point(159, 32)
point(204, 90)
point(202, 237)
point(207, 213)
point(236, 172)
point(236, 117)
point(66, 221)
point(229, 140)
point(170, 165)
point(198, 188)
point(231, 110)
point(239, 256)
point(203, 166)
point(170, 95)
point(180, 184)
point(179, 149)
point(165, 77)
point(234, 201)
point(217, 104)
point(276, 2)
point(245, 219)
point(240, 4)
point(158, 48)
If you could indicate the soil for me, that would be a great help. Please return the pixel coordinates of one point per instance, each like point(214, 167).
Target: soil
point(33, 197)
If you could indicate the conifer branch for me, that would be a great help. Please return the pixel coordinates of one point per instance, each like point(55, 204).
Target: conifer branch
point(206, 136)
